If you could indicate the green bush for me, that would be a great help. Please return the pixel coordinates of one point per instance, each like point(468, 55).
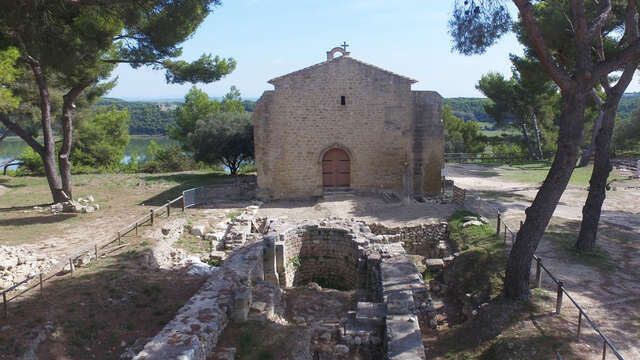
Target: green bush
point(32, 164)
point(171, 159)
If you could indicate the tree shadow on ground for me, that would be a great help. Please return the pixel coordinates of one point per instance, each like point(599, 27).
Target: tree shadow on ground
point(22, 208)
point(5, 181)
point(41, 219)
point(496, 333)
point(97, 309)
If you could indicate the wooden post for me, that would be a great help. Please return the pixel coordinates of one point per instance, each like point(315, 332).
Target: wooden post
point(604, 349)
point(505, 234)
point(184, 205)
point(41, 288)
point(498, 223)
point(559, 297)
point(136, 228)
point(579, 325)
point(119, 238)
point(71, 266)
point(168, 208)
point(538, 283)
point(151, 212)
point(6, 306)
point(96, 248)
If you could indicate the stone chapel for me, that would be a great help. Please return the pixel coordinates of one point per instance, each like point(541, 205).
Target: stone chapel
point(346, 124)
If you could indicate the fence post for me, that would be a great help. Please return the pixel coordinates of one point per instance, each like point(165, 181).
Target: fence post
point(559, 297)
point(136, 228)
point(168, 208)
point(6, 306)
point(579, 325)
point(183, 202)
point(151, 212)
point(538, 272)
point(71, 266)
point(119, 238)
point(604, 349)
point(41, 288)
point(505, 233)
point(96, 248)
point(498, 223)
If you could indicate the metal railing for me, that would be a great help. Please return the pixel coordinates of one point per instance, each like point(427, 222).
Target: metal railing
point(473, 157)
point(188, 199)
point(560, 291)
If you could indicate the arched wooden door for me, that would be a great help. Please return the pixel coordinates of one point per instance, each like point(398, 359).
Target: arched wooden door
point(336, 169)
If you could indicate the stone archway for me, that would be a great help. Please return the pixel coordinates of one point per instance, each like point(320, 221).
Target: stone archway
point(336, 168)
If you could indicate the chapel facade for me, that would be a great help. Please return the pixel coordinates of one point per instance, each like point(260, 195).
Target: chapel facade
point(346, 124)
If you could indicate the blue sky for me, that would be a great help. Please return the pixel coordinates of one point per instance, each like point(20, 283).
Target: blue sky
point(272, 38)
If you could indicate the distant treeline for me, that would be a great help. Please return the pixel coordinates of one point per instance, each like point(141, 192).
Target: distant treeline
point(152, 118)
point(469, 109)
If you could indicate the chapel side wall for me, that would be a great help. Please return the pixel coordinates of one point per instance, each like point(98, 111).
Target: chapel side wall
point(428, 141)
point(306, 118)
point(266, 146)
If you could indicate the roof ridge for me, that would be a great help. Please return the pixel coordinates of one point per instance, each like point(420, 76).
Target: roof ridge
point(338, 59)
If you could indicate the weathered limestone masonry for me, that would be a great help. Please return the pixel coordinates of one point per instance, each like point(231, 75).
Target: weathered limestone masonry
point(392, 136)
point(427, 240)
point(195, 330)
point(353, 257)
point(341, 253)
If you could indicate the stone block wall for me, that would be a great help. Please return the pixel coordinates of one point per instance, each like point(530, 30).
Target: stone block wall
point(328, 256)
point(384, 127)
point(428, 240)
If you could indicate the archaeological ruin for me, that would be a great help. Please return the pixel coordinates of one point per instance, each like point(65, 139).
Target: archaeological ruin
point(385, 302)
point(347, 124)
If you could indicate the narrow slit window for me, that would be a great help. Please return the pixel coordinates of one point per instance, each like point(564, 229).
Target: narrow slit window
point(343, 100)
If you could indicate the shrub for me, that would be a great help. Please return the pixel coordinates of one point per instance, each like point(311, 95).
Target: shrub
point(171, 159)
point(32, 164)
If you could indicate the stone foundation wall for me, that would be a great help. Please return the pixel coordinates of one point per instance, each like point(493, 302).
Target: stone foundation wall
point(327, 256)
point(196, 328)
point(398, 298)
point(427, 240)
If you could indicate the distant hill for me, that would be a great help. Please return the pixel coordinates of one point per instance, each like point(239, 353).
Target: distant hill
point(147, 118)
point(152, 117)
point(628, 104)
point(469, 109)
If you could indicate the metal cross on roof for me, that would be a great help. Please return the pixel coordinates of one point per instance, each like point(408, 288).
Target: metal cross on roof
point(344, 46)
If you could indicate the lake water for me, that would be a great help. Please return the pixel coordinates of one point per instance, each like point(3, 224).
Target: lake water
point(12, 147)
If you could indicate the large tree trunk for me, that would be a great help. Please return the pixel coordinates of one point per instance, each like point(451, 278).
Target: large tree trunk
point(48, 151)
point(602, 164)
point(516, 285)
point(64, 158)
point(597, 124)
point(538, 144)
point(598, 183)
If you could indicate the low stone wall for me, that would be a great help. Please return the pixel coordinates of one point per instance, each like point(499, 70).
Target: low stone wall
point(353, 253)
point(227, 294)
point(427, 240)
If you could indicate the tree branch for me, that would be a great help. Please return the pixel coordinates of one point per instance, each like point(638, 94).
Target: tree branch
point(628, 55)
point(596, 26)
point(559, 76)
point(21, 132)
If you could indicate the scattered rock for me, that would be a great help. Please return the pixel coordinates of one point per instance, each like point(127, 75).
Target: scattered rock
point(165, 230)
point(341, 349)
point(472, 223)
point(198, 230)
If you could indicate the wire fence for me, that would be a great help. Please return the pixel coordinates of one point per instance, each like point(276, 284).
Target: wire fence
point(189, 198)
point(477, 204)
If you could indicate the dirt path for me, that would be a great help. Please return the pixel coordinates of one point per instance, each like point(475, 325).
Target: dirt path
point(371, 209)
point(608, 288)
